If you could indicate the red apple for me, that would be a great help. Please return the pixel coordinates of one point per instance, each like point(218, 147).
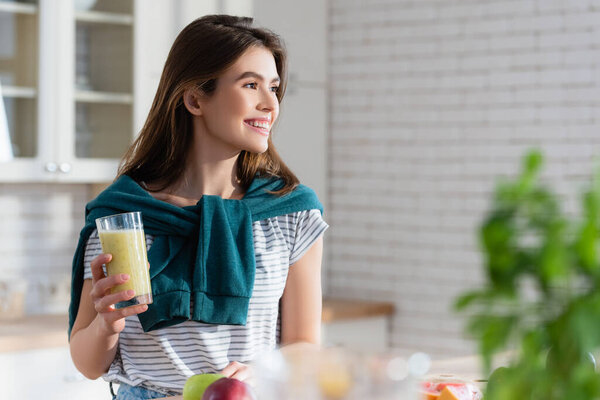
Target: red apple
point(229, 389)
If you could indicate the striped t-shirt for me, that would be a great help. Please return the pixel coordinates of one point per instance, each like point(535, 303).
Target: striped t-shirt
point(163, 359)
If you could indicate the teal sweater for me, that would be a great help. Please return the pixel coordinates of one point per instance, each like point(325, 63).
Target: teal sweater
point(203, 253)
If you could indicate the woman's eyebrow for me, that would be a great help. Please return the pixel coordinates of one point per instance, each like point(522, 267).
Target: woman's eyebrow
point(250, 74)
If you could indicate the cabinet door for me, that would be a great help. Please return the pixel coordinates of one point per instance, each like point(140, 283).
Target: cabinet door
point(47, 374)
point(66, 69)
point(97, 112)
point(25, 140)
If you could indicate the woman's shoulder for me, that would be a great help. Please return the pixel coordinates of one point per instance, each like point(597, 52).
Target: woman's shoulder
point(293, 219)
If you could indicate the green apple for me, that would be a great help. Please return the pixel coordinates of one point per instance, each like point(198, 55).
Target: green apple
point(196, 385)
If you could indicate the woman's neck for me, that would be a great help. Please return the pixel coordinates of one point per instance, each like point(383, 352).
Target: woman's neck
point(211, 168)
point(216, 178)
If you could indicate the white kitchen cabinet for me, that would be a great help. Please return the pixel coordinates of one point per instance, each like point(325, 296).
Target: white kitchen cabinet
point(356, 324)
point(72, 76)
point(46, 374)
point(367, 334)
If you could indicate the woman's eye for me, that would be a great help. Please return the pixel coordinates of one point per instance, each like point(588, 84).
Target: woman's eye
point(252, 85)
point(274, 89)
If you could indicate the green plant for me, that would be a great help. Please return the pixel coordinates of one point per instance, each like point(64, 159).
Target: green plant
point(541, 298)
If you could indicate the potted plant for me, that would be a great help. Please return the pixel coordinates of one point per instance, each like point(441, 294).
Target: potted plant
point(541, 297)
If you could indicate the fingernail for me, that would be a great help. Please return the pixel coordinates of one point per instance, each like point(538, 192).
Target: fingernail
point(130, 293)
point(124, 277)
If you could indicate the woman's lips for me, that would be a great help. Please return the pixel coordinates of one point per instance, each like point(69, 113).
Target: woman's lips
point(262, 131)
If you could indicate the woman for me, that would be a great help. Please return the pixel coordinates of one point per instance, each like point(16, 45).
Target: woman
point(227, 225)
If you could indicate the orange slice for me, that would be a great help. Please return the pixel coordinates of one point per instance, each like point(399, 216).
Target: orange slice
point(456, 393)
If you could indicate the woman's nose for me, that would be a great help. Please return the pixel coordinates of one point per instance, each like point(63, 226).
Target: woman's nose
point(268, 100)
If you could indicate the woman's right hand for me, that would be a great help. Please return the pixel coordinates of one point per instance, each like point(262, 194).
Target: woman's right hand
point(112, 319)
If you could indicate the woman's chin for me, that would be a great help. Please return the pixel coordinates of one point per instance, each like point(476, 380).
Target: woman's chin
point(258, 148)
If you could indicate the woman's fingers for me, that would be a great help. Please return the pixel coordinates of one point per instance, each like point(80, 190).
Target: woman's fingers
point(242, 374)
point(104, 300)
point(113, 320)
point(120, 313)
point(96, 265)
point(104, 304)
point(101, 287)
point(237, 370)
point(230, 369)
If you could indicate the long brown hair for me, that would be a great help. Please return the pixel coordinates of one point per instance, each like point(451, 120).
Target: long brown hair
point(201, 52)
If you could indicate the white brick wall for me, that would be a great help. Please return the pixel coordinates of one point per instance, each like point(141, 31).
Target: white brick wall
point(39, 231)
point(431, 101)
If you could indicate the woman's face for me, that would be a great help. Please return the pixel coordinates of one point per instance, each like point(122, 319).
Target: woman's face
point(240, 112)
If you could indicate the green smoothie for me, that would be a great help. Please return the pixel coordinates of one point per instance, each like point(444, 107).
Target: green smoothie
point(128, 249)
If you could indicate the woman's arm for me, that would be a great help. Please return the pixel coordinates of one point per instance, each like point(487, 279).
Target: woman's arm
point(301, 303)
point(96, 329)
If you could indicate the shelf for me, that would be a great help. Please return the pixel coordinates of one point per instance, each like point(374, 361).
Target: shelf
point(335, 309)
point(18, 8)
point(103, 17)
point(17, 91)
point(86, 96)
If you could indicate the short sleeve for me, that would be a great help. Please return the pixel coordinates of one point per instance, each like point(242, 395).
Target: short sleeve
point(309, 226)
point(93, 249)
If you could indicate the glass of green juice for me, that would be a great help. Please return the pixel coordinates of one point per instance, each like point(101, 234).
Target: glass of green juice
point(122, 235)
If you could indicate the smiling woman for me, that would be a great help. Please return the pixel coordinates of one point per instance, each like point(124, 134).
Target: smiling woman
point(235, 241)
point(215, 59)
point(243, 104)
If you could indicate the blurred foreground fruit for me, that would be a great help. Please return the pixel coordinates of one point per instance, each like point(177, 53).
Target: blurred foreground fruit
point(335, 384)
point(229, 389)
point(449, 390)
point(334, 374)
point(196, 385)
point(456, 393)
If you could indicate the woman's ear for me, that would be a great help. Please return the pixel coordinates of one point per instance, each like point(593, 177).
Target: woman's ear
point(191, 100)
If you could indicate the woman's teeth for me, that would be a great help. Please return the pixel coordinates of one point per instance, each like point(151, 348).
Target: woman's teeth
point(263, 125)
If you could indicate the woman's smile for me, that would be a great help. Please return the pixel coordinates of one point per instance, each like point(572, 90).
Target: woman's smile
point(262, 126)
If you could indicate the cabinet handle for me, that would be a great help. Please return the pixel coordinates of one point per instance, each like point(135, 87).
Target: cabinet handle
point(51, 167)
point(65, 168)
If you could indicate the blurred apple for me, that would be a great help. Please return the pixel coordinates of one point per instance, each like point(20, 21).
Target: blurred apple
point(229, 389)
point(196, 385)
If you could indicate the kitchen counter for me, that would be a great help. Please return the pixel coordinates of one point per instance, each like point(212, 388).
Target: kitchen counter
point(33, 332)
point(468, 367)
point(342, 309)
point(45, 331)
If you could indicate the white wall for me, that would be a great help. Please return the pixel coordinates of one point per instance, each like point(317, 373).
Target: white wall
point(40, 226)
point(430, 102)
point(301, 134)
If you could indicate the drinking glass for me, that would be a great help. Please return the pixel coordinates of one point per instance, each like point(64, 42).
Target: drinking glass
point(122, 236)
